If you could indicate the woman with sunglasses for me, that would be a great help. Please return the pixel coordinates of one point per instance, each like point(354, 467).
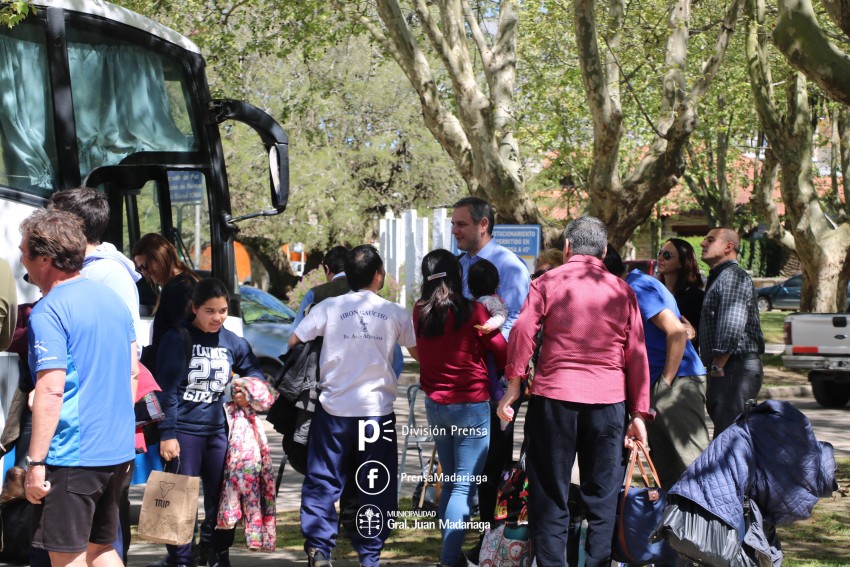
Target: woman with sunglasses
point(156, 259)
point(679, 271)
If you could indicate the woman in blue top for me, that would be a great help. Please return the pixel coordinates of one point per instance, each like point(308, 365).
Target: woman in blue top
point(194, 431)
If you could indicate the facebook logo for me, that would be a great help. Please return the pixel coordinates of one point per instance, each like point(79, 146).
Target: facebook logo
point(372, 477)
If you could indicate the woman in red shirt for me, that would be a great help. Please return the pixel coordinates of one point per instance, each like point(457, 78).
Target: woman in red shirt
point(453, 373)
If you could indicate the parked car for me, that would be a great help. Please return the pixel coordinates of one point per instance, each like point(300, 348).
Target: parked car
point(267, 326)
point(785, 296)
point(646, 266)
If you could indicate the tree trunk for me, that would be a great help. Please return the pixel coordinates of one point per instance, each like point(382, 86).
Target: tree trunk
point(727, 203)
point(479, 134)
point(626, 204)
point(835, 191)
point(808, 48)
point(844, 144)
point(823, 251)
point(276, 263)
point(763, 200)
point(711, 189)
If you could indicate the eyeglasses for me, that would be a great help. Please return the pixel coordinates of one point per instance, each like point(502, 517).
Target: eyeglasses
point(666, 254)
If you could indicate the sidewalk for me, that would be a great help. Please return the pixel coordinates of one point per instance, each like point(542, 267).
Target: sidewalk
point(289, 498)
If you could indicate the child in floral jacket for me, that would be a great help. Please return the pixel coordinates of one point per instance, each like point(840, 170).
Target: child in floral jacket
point(248, 491)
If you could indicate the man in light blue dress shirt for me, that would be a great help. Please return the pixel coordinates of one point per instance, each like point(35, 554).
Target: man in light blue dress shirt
point(472, 227)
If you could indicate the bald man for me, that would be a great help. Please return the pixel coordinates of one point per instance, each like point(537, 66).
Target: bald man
point(731, 341)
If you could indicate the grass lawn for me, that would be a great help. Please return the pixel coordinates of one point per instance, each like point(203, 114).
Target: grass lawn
point(771, 325)
point(824, 539)
point(775, 374)
point(821, 541)
point(416, 543)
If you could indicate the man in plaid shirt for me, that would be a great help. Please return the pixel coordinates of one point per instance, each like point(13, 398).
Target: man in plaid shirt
point(731, 340)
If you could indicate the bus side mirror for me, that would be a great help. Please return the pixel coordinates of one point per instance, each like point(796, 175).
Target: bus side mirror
point(279, 175)
point(274, 138)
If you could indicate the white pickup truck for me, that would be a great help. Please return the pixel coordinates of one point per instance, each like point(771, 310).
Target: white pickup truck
point(820, 343)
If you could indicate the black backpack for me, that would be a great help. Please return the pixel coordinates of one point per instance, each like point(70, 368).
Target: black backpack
point(297, 382)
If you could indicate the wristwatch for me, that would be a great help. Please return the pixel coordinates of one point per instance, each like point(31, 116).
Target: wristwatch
point(30, 463)
point(716, 369)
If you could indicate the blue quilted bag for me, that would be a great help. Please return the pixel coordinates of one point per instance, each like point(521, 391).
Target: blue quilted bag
point(639, 510)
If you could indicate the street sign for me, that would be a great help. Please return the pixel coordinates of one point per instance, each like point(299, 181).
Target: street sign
point(521, 239)
point(186, 187)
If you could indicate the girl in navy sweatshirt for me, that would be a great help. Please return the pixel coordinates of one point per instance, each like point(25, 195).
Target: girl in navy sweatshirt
point(194, 431)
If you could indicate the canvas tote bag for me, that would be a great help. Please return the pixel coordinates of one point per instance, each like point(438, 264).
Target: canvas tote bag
point(169, 508)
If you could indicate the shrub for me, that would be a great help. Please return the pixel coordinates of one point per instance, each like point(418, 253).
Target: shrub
point(308, 281)
point(391, 290)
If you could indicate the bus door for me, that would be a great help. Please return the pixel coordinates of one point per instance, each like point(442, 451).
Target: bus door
point(174, 201)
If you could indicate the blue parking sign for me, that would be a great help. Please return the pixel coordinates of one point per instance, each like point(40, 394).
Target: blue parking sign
point(521, 239)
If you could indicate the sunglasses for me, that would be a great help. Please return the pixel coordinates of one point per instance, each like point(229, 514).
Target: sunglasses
point(666, 254)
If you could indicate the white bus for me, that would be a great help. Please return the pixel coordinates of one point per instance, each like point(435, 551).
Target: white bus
point(94, 94)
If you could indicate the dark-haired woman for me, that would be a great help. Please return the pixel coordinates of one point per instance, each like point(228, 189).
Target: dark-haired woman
point(454, 376)
point(156, 259)
point(194, 431)
point(679, 271)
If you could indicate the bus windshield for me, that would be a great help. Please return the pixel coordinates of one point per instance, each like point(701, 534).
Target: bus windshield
point(96, 94)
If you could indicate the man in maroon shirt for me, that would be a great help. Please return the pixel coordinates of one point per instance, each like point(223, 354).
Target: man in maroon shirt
point(592, 370)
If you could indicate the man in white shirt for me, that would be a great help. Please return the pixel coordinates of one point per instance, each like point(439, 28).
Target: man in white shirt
point(354, 419)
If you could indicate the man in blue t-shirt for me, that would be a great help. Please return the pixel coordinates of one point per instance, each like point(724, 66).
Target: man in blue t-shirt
point(679, 434)
point(85, 365)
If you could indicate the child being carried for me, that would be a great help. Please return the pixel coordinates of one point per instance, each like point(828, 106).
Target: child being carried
point(483, 282)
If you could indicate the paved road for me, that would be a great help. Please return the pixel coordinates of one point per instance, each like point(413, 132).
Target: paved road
point(829, 425)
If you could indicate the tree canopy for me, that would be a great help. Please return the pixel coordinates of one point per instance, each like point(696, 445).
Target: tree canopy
point(604, 106)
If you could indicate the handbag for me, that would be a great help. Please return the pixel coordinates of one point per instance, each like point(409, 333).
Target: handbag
point(512, 495)
point(169, 508)
point(639, 510)
point(505, 546)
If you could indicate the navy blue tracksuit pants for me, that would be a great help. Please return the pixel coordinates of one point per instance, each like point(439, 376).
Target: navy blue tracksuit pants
point(334, 444)
point(203, 456)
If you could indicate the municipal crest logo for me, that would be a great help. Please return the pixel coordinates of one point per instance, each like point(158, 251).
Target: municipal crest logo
point(370, 521)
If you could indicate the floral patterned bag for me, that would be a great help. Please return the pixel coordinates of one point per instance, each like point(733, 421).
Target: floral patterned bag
point(506, 546)
point(511, 499)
